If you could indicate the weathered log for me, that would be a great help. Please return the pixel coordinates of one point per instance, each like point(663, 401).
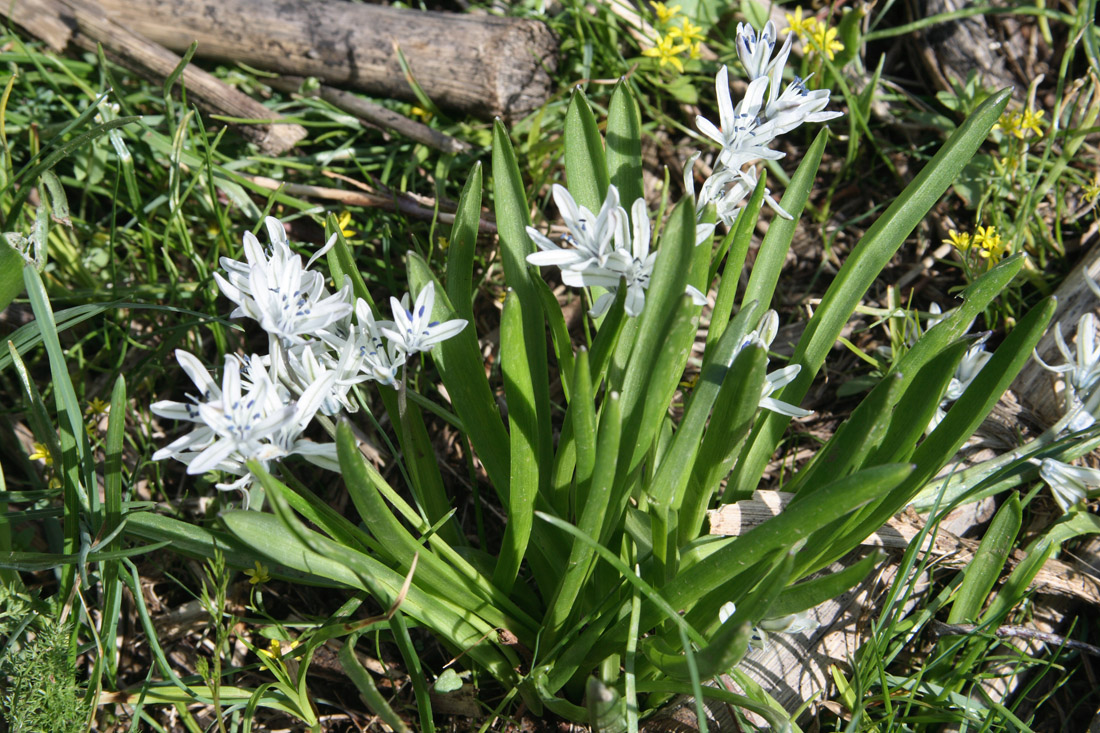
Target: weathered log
point(480, 64)
point(84, 24)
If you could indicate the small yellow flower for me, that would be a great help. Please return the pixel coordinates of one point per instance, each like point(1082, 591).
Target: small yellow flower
point(799, 26)
point(665, 13)
point(989, 242)
point(421, 113)
point(39, 453)
point(960, 241)
point(274, 650)
point(258, 574)
point(343, 221)
point(444, 243)
point(823, 39)
point(1092, 190)
point(667, 51)
point(1029, 120)
point(98, 407)
point(695, 51)
point(688, 32)
point(1009, 124)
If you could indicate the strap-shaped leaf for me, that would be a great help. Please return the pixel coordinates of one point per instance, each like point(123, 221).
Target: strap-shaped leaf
point(624, 143)
point(585, 165)
point(777, 242)
point(460, 255)
point(863, 265)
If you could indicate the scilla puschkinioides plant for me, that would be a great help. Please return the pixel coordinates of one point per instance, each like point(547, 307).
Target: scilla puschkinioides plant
point(605, 579)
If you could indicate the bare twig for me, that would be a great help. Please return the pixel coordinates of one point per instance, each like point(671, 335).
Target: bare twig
point(938, 628)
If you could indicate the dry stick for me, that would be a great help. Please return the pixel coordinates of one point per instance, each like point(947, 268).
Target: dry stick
point(395, 202)
point(938, 628)
point(481, 64)
point(375, 114)
point(83, 23)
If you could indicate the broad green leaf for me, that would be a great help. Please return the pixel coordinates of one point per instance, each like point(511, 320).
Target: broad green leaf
point(585, 164)
point(510, 204)
point(671, 478)
point(988, 563)
point(777, 242)
point(363, 682)
point(266, 534)
point(524, 479)
point(592, 519)
point(462, 368)
point(11, 274)
point(624, 144)
point(807, 594)
point(460, 255)
point(862, 267)
point(800, 519)
point(467, 588)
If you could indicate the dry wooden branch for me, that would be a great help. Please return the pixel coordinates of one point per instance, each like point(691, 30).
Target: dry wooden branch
point(392, 202)
point(376, 114)
point(480, 64)
point(84, 24)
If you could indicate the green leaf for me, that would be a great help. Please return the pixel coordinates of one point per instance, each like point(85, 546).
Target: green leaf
point(585, 165)
point(462, 369)
point(624, 144)
point(777, 242)
point(519, 389)
point(798, 521)
point(367, 689)
point(989, 561)
point(862, 267)
point(804, 596)
point(460, 255)
point(11, 274)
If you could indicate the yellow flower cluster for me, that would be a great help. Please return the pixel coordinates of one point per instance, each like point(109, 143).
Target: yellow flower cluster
point(821, 38)
point(675, 38)
point(1020, 124)
point(985, 242)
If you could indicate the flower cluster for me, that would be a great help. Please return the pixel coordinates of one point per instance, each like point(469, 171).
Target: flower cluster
point(985, 243)
point(820, 37)
point(604, 250)
point(1080, 372)
point(746, 131)
point(674, 39)
point(320, 345)
point(1021, 124)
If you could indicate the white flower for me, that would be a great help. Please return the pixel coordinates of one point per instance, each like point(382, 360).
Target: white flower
point(762, 337)
point(288, 300)
point(1069, 484)
point(1081, 370)
point(202, 436)
point(755, 51)
point(966, 372)
point(795, 106)
point(631, 260)
point(590, 235)
point(737, 130)
point(414, 330)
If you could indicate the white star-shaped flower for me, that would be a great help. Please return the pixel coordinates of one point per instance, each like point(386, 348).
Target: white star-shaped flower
point(415, 330)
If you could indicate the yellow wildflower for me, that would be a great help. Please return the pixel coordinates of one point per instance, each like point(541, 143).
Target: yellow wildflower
point(258, 574)
point(39, 453)
point(667, 51)
point(343, 221)
point(989, 242)
point(688, 32)
point(98, 407)
point(665, 13)
point(444, 243)
point(799, 26)
point(823, 39)
point(1029, 120)
point(421, 113)
point(274, 650)
point(695, 50)
point(1092, 190)
point(960, 241)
